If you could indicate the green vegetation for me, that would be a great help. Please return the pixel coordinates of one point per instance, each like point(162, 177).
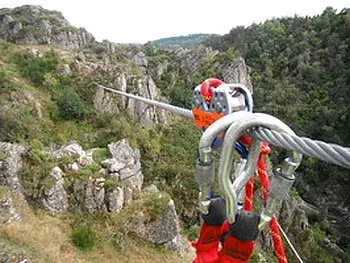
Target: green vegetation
point(6, 84)
point(192, 232)
point(35, 68)
point(84, 236)
point(155, 204)
point(71, 106)
point(110, 184)
point(100, 154)
point(181, 41)
point(53, 18)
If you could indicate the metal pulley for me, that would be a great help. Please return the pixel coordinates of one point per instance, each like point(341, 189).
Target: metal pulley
point(214, 99)
point(211, 101)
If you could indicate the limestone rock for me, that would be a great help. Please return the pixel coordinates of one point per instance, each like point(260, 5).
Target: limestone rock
point(233, 71)
point(68, 149)
point(8, 212)
point(236, 71)
point(37, 26)
point(125, 164)
point(83, 158)
point(115, 199)
point(151, 189)
point(142, 86)
point(178, 244)
point(94, 197)
point(10, 165)
point(122, 151)
point(56, 198)
point(162, 230)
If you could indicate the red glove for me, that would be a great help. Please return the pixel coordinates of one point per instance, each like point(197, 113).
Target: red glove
point(207, 244)
point(211, 232)
point(239, 244)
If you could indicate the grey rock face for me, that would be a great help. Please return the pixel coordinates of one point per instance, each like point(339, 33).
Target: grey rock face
point(95, 196)
point(10, 165)
point(151, 189)
point(233, 70)
point(178, 244)
point(162, 230)
point(30, 24)
point(191, 60)
point(115, 199)
point(142, 86)
point(236, 71)
point(125, 164)
point(8, 212)
point(56, 198)
point(83, 158)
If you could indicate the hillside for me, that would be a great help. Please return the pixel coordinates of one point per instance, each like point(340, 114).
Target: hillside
point(60, 137)
point(300, 68)
point(181, 41)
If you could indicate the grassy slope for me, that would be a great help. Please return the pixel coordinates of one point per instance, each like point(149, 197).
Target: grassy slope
point(44, 238)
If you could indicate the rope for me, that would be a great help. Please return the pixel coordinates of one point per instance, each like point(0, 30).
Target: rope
point(249, 193)
point(277, 241)
point(326, 152)
point(290, 243)
point(248, 204)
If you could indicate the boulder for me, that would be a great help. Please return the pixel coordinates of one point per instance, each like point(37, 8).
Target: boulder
point(163, 229)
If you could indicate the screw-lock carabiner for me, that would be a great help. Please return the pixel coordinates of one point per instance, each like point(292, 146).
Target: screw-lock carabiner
point(234, 132)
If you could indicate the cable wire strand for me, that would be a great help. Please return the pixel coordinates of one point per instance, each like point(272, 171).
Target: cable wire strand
point(331, 153)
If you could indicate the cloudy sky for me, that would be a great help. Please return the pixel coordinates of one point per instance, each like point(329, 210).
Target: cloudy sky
point(138, 21)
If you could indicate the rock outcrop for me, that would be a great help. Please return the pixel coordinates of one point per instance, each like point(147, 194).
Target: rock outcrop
point(106, 189)
point(142, 86)
point(162, 230)
point(34, 25)
point(232, 70)
point(10, 165)
point(124, 165)
point(55, 199)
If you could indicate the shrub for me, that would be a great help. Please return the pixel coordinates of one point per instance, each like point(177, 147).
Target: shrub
point(110, 184)
point(36, 67)
point(71, 106)
point(155, 204)
point(83, 236)
point(181, 96)
point(100, 155)
point(5, 83)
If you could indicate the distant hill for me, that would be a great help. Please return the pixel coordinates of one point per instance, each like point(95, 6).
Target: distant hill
point(182, 41)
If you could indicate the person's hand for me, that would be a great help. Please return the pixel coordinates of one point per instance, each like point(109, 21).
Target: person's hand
point(239, 243)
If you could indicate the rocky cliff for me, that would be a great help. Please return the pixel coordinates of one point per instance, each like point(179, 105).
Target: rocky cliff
point(33, 25)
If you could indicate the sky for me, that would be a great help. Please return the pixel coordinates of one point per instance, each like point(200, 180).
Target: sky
point(139, 21)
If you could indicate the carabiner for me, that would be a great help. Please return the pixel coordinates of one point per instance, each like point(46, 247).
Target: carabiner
point(234, 132)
